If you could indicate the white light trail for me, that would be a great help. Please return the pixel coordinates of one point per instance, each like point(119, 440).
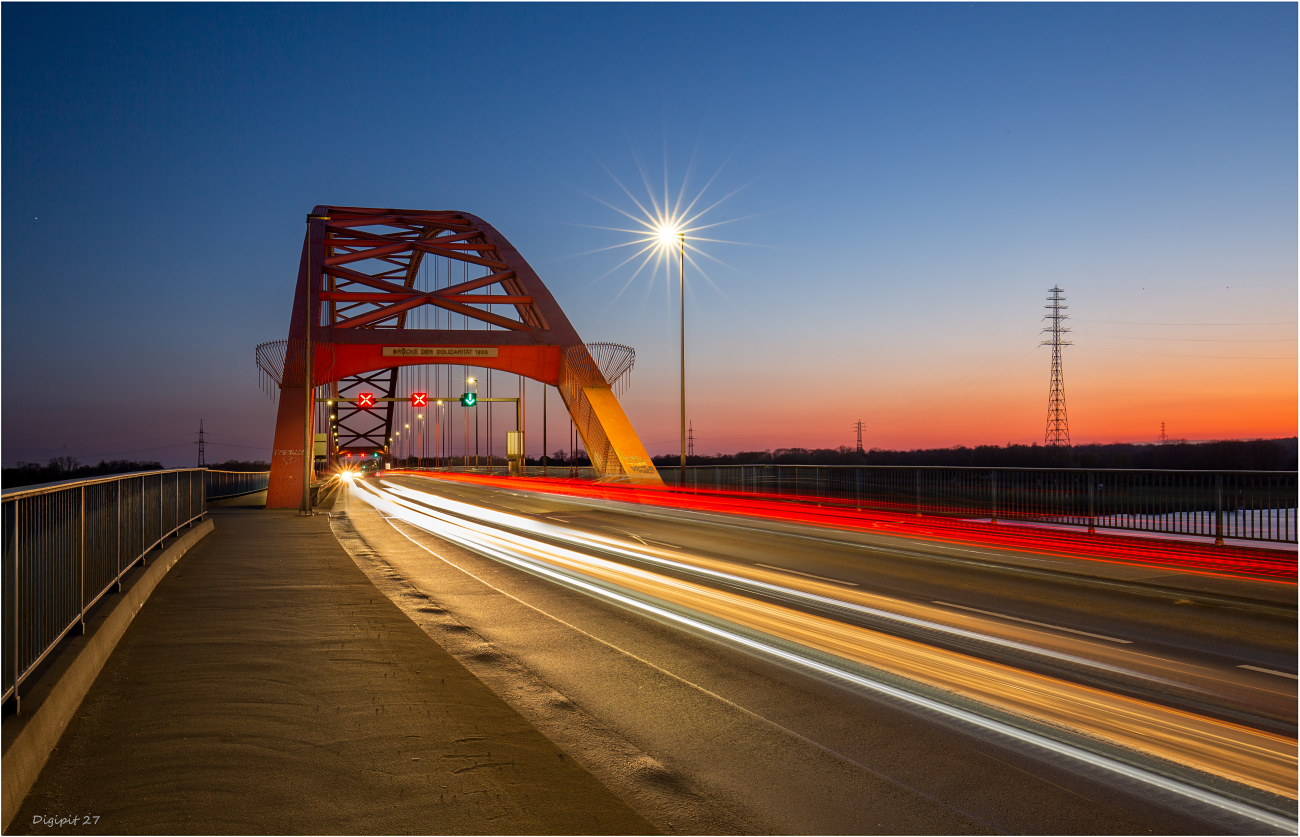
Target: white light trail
point(836, 604)
point(1239, 753)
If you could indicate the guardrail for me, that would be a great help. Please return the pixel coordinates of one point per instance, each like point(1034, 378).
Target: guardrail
point(560, 471)
point(1247, 505)
point(67, 544)
point(220, 484)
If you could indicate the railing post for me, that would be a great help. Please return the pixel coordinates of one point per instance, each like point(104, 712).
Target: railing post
point(1092, 504)
point(82, 579)
point(119, 536)
point(1218, 509)
point(993, 480)
point(918, 492)
point(143, 529)
point(18, 602)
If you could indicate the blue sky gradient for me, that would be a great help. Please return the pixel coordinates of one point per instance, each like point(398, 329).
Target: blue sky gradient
point(903, 182)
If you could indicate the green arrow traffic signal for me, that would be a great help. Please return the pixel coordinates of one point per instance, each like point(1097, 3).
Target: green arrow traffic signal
point(469, 399)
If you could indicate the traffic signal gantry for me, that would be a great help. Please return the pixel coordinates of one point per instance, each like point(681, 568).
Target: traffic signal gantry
point(417, 399)
point(514, 440)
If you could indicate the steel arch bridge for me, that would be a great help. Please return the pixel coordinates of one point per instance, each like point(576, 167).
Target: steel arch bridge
point(365, 303)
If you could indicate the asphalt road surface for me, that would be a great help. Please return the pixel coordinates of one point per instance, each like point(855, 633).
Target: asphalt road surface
point(727, 675)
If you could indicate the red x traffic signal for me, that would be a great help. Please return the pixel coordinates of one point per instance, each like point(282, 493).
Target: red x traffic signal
point(419, 399)
point(366, 399)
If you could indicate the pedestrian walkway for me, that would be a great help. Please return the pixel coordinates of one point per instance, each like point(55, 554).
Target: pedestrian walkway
point(268, 687)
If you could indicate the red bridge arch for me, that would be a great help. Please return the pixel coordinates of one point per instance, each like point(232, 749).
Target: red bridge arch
point(361, 290)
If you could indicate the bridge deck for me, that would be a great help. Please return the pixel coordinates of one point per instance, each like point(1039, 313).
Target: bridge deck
point(268, 687)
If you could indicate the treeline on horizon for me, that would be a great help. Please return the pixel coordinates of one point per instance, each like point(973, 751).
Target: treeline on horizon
point(68, 468)
point(1256, 455)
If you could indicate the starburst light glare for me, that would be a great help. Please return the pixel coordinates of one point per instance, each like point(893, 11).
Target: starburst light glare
point(668, 233)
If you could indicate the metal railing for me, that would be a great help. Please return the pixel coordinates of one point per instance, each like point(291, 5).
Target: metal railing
point(220, 484)
point(557, 470)
point(1247, 505)
point(67, 544)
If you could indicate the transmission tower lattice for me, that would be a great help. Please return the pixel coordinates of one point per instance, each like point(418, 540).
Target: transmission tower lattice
point(201, 464)
point(1164, 437)
point(690, 440)
point(859, 427)
point(1058, 424)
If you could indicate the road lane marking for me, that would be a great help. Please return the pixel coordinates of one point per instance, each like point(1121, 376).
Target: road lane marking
point(647, 541)
point(1270, 671)
point(1134, 771)
point(584, 544)
point(688, 683)
point(808, 575)
point(1032, 622)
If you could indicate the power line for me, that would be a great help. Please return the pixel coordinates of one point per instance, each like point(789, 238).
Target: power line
point(1131, 322)
point(1200, 339)
point(1087, 349)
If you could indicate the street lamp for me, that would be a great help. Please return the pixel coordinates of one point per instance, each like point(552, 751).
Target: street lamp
point(309, 449)
point(440, 445)
point(474, 383)
point(669, 234)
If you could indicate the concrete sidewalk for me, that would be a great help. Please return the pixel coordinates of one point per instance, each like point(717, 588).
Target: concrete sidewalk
point(268, 687)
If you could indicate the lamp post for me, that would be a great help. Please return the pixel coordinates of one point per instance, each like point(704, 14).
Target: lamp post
point(474, 383)
point(423, 436)
point(309, 443)
point(441, 445)
point(331, 438)
point(681, 302)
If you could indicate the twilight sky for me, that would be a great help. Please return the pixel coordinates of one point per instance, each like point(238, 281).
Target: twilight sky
point(899, 186)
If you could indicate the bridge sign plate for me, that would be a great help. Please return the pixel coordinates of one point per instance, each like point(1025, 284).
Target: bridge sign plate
point(440, 351)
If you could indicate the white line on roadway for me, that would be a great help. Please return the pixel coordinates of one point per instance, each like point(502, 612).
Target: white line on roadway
point(665, 672)
point(1270, 671)
point(809, 575)
point(1032, 622)
point(644, 541)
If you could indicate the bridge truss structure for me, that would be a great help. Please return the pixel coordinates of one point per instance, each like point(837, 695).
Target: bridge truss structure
point(394, 288)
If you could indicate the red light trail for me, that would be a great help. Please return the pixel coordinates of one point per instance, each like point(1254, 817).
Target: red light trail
point(1206, 559)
